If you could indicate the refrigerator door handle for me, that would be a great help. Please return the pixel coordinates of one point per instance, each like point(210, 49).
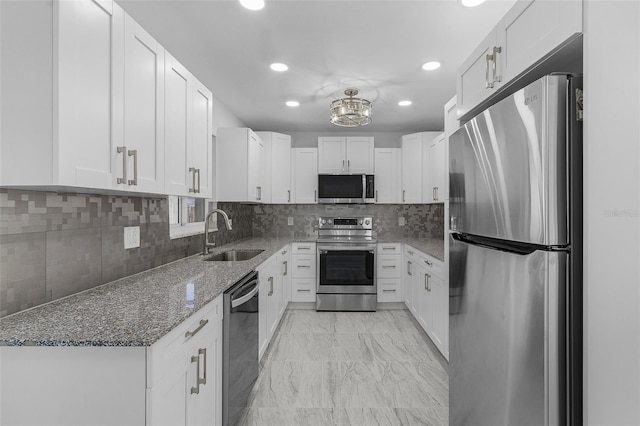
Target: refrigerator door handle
point(514, 247)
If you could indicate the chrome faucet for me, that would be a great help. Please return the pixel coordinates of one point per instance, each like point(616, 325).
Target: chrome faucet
point(207, 244)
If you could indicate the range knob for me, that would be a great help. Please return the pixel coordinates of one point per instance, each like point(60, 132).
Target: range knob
point(323, 221)
point(367, 222)
point(360, 221)
point(330, 221)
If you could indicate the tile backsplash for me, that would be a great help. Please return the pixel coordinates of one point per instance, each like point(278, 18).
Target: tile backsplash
point(56, 244)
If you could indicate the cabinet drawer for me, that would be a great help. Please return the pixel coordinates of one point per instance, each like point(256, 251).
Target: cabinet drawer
point(303, 248)
point(303, 266)
point(390, 248)
point(389, 266)
point(303, 290)
point(166, 356)
point(390, 290)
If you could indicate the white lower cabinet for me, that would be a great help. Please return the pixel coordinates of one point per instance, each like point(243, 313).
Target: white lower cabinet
point(426, 295)
point(184, 372)
point(175, 381)
point(272, 298)
point(303, 272)
point(389, 272)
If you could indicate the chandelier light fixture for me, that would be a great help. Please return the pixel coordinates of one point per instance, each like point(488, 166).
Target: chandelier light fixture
point(350, 112)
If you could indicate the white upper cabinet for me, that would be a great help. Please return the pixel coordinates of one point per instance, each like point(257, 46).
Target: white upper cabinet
point(200, 147)
point(304, 176)
point(143, 109)
point(519, 41)
point(188, 130)
point(277, 181)
point(349, 155)
point(451, 122)
point(434, 188)
point(240, 157)
point(414, 166)
point(411, 169)
point(387, 176)
point(61, 127)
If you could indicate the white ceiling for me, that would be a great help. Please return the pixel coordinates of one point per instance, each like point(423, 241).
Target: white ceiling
point(374, 45)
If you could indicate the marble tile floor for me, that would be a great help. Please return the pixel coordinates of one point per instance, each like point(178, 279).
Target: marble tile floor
point(350, 368)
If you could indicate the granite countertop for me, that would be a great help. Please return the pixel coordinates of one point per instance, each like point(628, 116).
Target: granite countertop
point(140, 309)
point(137, 310)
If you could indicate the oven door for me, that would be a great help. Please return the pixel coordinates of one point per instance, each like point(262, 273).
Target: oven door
point(346, 269)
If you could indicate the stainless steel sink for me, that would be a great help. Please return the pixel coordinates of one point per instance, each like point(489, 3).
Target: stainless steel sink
point(233, 255)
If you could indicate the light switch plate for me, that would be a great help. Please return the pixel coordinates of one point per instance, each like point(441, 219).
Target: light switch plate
point(401, 221)
point(131, 237)
point(290, 220)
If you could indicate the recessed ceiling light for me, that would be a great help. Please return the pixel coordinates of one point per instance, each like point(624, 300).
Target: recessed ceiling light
point(252, 4)
point(471, 3)
point(430, 66)
point(404, 103)
point(280, 67)
point(293, 104)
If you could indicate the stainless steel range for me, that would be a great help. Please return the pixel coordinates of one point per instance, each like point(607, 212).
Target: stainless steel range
point(346, 264)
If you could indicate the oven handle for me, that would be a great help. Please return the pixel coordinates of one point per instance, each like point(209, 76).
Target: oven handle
point(325, 250)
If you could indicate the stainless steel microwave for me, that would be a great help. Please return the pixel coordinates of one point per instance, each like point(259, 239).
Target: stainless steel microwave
point(346, 189)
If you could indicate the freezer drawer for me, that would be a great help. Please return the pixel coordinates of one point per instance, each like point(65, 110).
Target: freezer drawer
point(506, 340)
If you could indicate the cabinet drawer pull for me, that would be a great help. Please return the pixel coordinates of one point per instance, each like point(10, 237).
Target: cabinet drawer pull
point(389, 291)
point(304, 248)
point(428, 262)
point(304, 266)
point(203, 322)
point(410, 252)
point(388, 248)
point(302, 290)
point(196, 389)
point(388, 266)
point(123, 150)
point(134, 153)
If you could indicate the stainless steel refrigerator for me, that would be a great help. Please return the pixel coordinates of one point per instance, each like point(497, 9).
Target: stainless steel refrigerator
point(516, 259)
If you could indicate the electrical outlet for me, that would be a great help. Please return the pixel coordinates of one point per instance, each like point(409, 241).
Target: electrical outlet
point(401, 221)
point(131, 237)
point(290, 220)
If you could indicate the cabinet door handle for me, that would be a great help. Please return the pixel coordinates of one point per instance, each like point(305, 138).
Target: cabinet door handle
point(202, 323)
point(198, 171)
point(433, 193)
point(488, 84)
point(376, 195)
point(196, 389)
point(428, 262)
point(123, 150)
point(270, 286)
point(288, 196)
point(348, 165)
point(315, 195)
point(203, 352)
point(409, 268)
point(403, 197)
point(192, 170)
point(343, 165)
point(134, 153)
point(410, 252)
point(286, 267)
point(496, 77)
point(426, 282)
point(260, 193)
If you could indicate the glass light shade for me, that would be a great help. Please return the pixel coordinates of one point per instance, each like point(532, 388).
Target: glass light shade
point(350, 112)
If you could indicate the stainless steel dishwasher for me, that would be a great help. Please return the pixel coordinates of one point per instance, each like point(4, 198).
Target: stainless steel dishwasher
point(240, 347)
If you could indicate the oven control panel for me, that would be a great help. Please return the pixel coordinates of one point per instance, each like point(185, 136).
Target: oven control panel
point(345, 223)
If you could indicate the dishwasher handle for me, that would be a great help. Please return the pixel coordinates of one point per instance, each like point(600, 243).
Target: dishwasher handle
point(243, 299)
